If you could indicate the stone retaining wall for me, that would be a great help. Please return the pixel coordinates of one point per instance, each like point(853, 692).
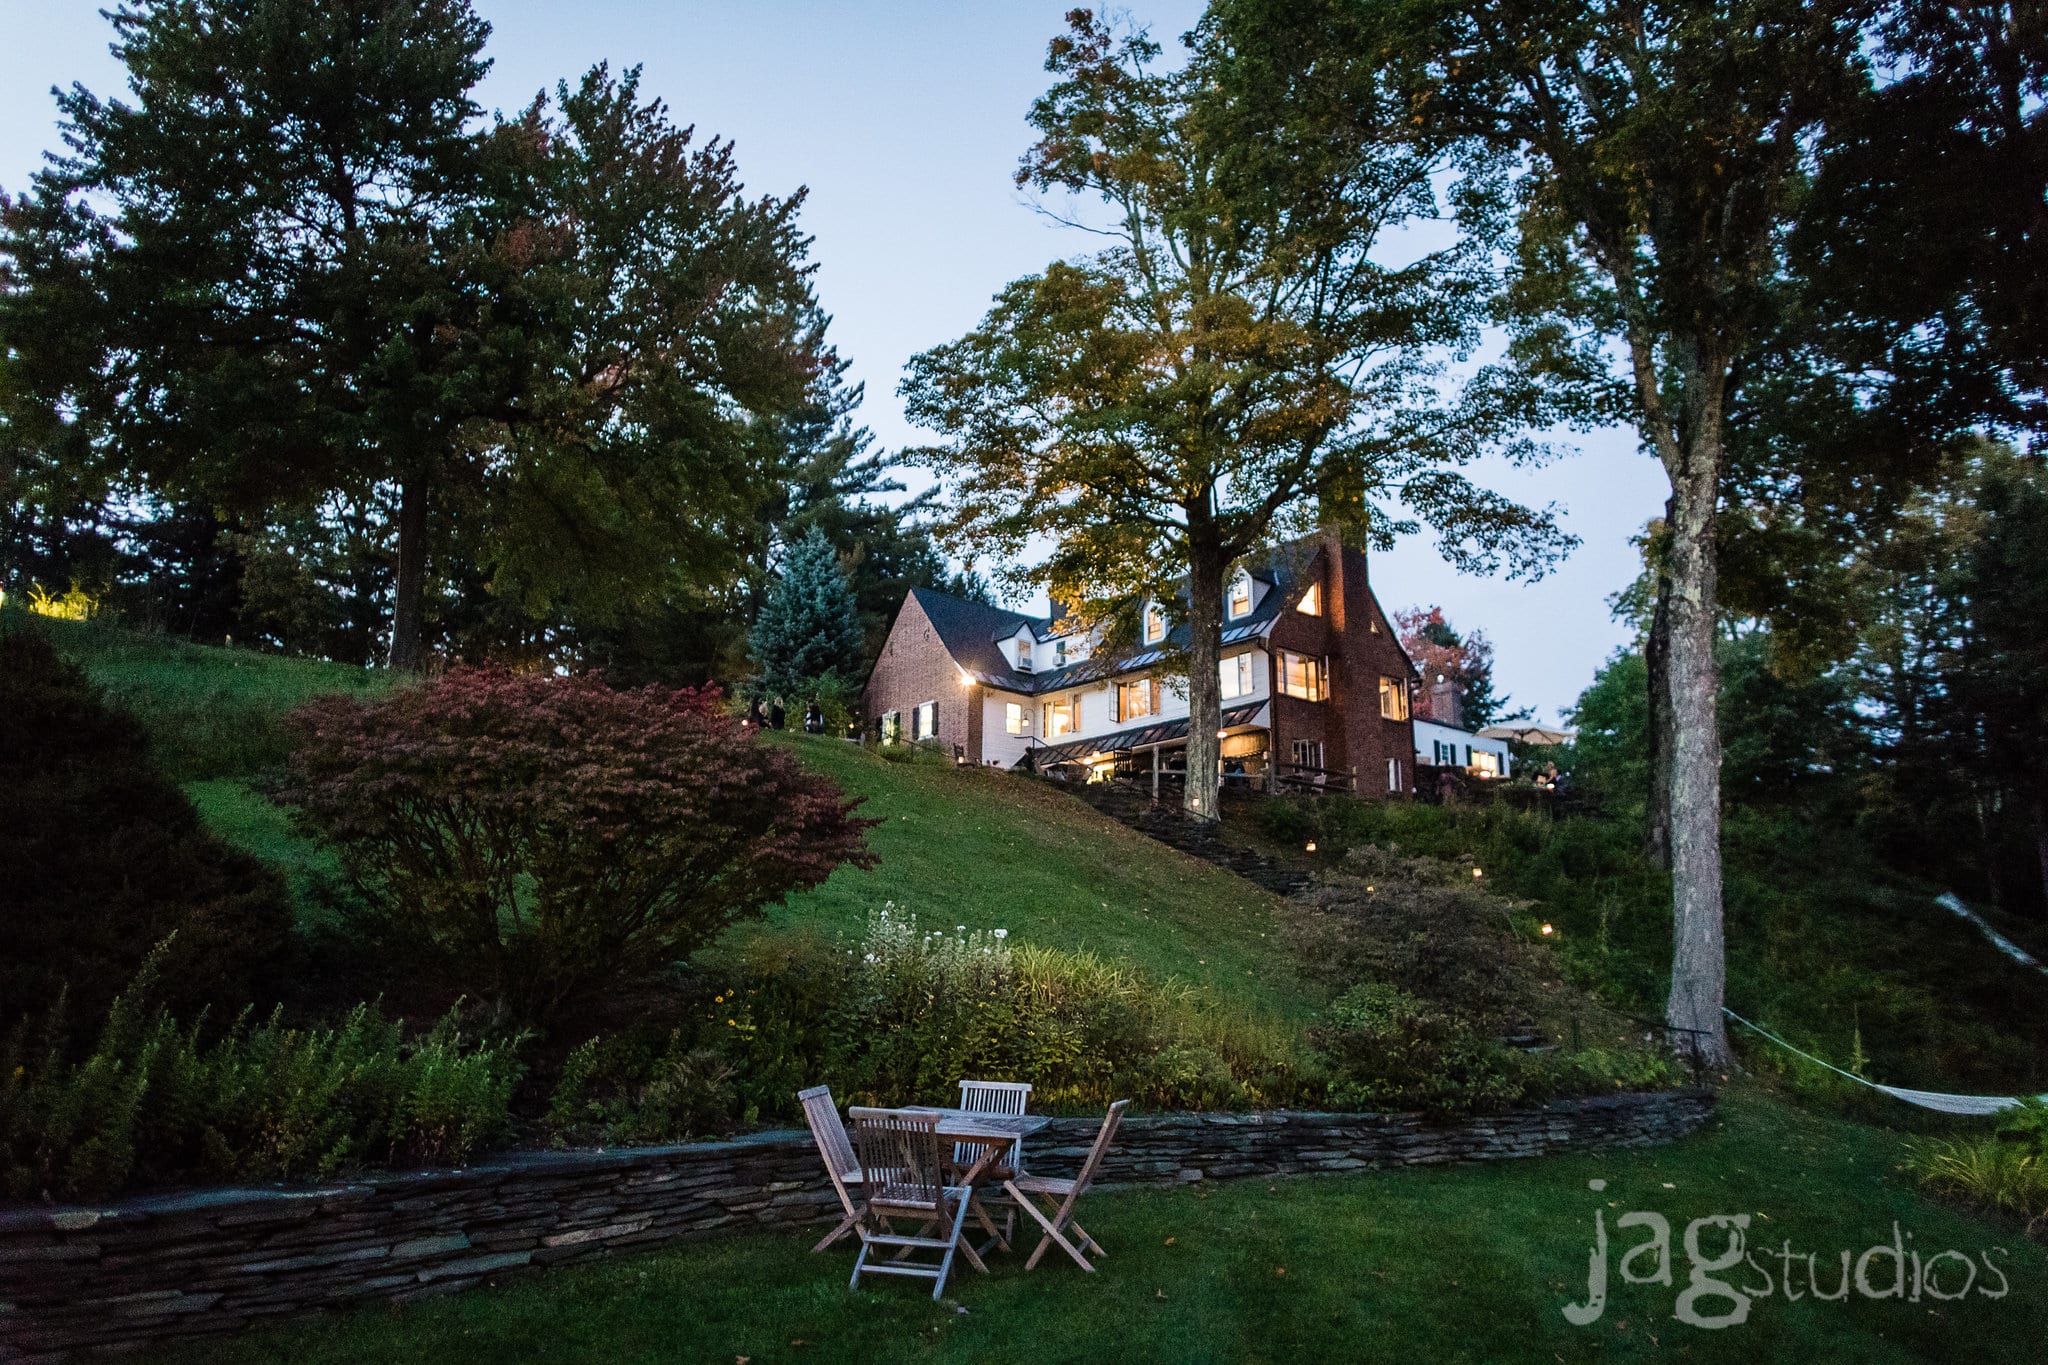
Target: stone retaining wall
point(125, 1274)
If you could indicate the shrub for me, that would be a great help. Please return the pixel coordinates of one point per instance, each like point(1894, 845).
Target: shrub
point(547, 837)
point(104, 857)
point(1388, 1049)
point(1989, 1173)
point(902, 1017)
point(153, 1103)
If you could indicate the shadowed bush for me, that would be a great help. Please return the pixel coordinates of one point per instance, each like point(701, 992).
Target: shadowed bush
point(103, 857)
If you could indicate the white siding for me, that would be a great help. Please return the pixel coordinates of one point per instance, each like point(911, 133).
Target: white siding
point(998, 745)
point(1429, 734)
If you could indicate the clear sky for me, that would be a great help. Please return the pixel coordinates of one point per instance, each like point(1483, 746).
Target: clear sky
point(905, 119)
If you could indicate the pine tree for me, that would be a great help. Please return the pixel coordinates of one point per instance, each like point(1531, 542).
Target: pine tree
point(810, 625)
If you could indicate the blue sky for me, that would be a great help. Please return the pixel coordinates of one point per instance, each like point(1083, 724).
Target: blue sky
point(905, 120)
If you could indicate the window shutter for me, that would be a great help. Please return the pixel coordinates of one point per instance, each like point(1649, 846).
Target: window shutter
point(1155, 696)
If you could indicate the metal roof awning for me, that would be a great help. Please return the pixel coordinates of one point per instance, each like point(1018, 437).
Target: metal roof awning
point(1138, 737)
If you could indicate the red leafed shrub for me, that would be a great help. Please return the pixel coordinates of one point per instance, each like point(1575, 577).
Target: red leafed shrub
point(549, 837)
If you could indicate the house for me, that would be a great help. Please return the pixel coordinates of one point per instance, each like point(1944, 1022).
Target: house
point(1453, 746)
point(1316, 688)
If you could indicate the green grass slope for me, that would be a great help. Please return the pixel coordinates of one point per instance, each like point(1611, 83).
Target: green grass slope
point(211, 713)
point(983, 849)
point(990, 850)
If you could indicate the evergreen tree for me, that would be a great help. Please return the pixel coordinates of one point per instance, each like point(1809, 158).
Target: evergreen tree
point(810, 625)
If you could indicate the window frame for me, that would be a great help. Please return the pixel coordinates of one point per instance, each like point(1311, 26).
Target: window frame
point(1317, 674)
point(1308, 748)
point(1016, 720)
point(1394, 689)
point(1246, 681)
point(1240, 583)
point(1155, 623)
point(1067, 709)
point(1143, 687)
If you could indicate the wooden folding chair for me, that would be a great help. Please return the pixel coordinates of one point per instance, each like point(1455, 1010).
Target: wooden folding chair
point(903, 1171)
point(1022, 1188)
point(993, 1097)
point(837, 1150)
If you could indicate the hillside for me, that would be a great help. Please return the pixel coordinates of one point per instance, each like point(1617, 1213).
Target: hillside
point(974, 848)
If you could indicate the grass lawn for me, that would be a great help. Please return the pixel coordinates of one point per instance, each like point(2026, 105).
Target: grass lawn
point(1446, 1264)
point(993, 851)
point(210, 712)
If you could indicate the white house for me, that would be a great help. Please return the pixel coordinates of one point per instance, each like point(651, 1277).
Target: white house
point(1452, 746)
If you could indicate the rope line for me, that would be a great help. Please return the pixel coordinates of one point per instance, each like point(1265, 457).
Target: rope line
point(1973, 1105)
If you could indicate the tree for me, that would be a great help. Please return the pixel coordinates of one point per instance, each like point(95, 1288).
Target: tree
point(1457, 670)
point(547, 837)
point(1658, 154)
point(299, 266)
point(810, 627)
point(1236, 366)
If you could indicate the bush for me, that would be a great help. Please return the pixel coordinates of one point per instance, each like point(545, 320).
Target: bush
point(1388, 1049)
point(903, 1017)
point(104, 857)
point(548, 837)
point(153, 1104)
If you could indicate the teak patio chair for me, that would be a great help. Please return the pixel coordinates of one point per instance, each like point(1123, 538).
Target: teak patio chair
point(903, 1173)
point(993, 1097)
point(1059, 1196)
point(837, 1150)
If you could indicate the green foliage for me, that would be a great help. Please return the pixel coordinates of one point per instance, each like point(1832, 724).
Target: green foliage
point(903, 1016)
point(1823, 944)
point(546, 838)
point(808, 635)
point(1389, 1050)
point(155, 1103)
point(105, 857)
point(1988, 1173)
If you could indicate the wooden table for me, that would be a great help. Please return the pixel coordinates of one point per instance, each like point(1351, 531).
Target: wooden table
point(996, 1134)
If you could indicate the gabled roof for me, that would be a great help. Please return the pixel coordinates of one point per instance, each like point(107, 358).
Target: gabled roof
point(971, 631)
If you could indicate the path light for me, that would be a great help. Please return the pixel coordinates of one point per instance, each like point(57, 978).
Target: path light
point(1548, 930)
point(1311, 845)
point(1476, 874)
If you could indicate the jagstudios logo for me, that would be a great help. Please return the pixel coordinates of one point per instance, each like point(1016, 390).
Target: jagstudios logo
point(1724, 1275)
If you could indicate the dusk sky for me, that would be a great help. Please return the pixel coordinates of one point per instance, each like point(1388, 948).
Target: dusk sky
point(905, 120)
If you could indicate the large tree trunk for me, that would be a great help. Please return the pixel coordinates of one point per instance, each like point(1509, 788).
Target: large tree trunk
point(408, 607)
point(1205, 685)
point(1698, 961)
point(1657, 662)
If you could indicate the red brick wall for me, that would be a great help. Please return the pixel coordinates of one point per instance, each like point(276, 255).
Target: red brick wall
point(915, 668)
point(1354, 736)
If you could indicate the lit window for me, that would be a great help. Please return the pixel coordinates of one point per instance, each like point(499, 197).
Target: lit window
point(927, 721)
point(1155, 625)
point(1485, 764)
point(1393, 699)
point(1024, 653)
point(1013, 718)
point(1311, 603)
point(1240, 594)
point(1237, 675)
point(1059, 718)
point(1304, 677)
point(1134, 699)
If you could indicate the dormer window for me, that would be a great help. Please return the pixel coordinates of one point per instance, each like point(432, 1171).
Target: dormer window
point(1311, 603)
point(1023, 654)
point(1155, 624)
point(1240, 603)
